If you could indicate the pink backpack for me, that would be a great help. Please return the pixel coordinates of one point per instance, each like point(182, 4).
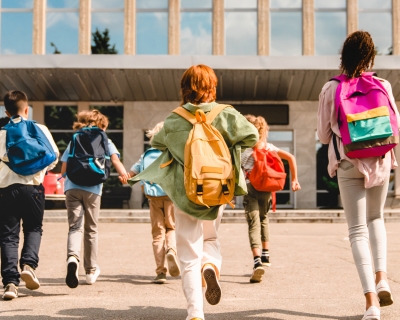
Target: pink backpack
point(367, 120)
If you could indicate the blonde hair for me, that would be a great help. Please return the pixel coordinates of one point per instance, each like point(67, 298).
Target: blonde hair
point(261, 125)
point(152, 132)
point(90, 118)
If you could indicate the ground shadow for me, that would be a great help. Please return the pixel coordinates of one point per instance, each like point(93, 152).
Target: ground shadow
point(151, 313)
point(133, 279)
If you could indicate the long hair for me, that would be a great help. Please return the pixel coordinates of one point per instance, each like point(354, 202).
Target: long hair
point(358, 54)
point(261, 125)
point(89, 118)
point(198, 85)
point(152, 132)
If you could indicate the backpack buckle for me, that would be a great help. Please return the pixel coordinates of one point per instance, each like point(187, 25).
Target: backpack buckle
point(225, 189)
point(199, 189)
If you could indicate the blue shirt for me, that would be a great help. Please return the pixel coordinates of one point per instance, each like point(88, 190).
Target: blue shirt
point(97, 189)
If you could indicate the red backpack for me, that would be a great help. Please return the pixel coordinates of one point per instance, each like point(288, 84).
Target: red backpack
point(268, 174)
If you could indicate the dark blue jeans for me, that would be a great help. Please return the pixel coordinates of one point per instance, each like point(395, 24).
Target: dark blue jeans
point(20, 202)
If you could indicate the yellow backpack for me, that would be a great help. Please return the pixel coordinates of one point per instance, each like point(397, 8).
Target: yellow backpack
point(209, 176)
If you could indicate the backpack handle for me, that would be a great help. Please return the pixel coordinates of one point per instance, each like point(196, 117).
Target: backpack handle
point(200, 116)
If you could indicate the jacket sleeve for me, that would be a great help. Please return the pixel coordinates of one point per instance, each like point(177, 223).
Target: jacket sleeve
point(244, 134)
point(52, 143)
point(325, 108)
point(158, 141)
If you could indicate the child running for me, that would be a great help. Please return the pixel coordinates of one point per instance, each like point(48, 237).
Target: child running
point(161, 215)
point(21, 198)
point(83, 207)
point(257, 203)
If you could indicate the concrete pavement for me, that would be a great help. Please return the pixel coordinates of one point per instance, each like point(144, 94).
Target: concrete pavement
point(312, 277)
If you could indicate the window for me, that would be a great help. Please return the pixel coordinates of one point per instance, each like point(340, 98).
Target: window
point(196, 27)
point(286, 27)
point(375, 16)
point(330, 26)
point(16, 16)
point(152, 27)
point(115, 133)
point(62, 26)
point(4, 119)
point(109, 15)
point(241, 27)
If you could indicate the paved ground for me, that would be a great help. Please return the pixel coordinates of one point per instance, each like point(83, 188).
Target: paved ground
point(312, 277)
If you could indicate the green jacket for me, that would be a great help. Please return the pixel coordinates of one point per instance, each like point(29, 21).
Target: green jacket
point(238, 133)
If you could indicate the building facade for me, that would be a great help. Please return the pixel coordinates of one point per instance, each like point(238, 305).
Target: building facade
point(271, 57)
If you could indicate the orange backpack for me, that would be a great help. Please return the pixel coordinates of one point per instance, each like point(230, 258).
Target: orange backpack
point(209, 175)
point(268, 173)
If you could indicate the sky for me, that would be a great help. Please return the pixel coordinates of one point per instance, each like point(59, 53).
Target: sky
point(196, 26)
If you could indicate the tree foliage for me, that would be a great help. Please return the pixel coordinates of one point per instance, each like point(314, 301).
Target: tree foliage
point(101, 43)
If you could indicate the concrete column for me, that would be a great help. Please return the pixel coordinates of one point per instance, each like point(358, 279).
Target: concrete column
point(218, 25)
point(39, 27)
point(263, 27)
point(83, 105)
point(37, 111)
point(174, 27)
point(130, 27)
point(352, 16)
point(308, 28)
point(396, 27)
point(85, 37)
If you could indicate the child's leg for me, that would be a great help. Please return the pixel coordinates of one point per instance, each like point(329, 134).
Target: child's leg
point(263, 203)
point(9, 236)
point(73, 202)
point(91, 203)
point(158, 233)
point(253, 220)
point(32, 217)
point(170, 239)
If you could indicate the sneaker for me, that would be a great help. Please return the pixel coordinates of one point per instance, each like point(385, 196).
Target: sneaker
point(196, 319)
point(257, 275)
point(213, 289)
point(10, 292)
point(29, 276)
point(91, 277)
point(384, 293)
point(72, 279)
point(265, 260)
point(373, 313)
point(172, 262)
point(160, 279)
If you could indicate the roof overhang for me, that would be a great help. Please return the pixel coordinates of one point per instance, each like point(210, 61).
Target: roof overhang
point(156, 78)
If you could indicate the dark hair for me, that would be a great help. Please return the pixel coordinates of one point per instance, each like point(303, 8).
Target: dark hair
point(12, 101)
point(198, 85)
point(358, 54)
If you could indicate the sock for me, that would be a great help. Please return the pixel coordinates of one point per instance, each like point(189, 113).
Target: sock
point(257, 262)
point(265, 253)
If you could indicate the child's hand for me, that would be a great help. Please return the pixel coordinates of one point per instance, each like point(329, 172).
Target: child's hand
point(295, 185)
point(124, 177)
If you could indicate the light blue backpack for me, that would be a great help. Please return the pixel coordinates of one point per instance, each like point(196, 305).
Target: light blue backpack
point(150, 189)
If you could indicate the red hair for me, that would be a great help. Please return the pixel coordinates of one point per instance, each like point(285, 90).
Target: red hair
point(198, 85)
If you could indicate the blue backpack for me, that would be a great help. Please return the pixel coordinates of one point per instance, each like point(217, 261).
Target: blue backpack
point(151, 189)
point(28, 149)
point(88, 161)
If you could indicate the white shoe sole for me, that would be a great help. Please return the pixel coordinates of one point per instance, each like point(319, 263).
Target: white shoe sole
point(265, 264)
point(213, 291)
point(91, 279)
point(31, 282)
point(371, 317)
point(9, 296)
point(71, 279)
point(385, 298)
point(257, 275)
point(173, 267)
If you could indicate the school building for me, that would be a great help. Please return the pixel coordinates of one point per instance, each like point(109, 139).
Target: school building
point(271, 57)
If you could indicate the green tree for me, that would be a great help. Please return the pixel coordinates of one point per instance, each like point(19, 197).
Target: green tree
point(101, 43)
point(55, 48)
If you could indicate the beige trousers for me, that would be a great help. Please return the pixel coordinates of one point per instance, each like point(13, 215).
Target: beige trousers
point(83, 210)
point(197, 243)
point(163, 229)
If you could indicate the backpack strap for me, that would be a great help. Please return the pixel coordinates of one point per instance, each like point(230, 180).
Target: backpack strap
point(339, 78)
point(216, 111)
point(187, 115)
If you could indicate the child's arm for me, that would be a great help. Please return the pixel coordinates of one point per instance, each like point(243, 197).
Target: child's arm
point(63, 168)
point(123, 175)
point(124, 180)
point(293, 168)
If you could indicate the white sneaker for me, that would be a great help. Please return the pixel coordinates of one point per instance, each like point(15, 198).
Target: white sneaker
point(384, 293)
point(172, 261)
point(373, 313)
point(92, 276)
point(72, 278)
point(29, 276)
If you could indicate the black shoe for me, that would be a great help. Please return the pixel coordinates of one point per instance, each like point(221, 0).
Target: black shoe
point(265, 261)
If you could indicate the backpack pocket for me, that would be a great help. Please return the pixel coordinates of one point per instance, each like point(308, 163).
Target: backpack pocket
point(371, 124)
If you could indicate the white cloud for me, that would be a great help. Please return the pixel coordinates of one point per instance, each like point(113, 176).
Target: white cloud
point(241, 32)
point(195, 44)
point(9, 51)
point(285, 4)
point(69, 18)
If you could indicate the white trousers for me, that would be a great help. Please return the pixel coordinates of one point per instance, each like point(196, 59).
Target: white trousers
point(197, 244)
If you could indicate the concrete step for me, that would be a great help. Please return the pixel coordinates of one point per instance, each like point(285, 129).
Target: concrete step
point(230, 216)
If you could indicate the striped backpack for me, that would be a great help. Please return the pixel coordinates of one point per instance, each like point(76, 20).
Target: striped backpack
point(366, 117)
